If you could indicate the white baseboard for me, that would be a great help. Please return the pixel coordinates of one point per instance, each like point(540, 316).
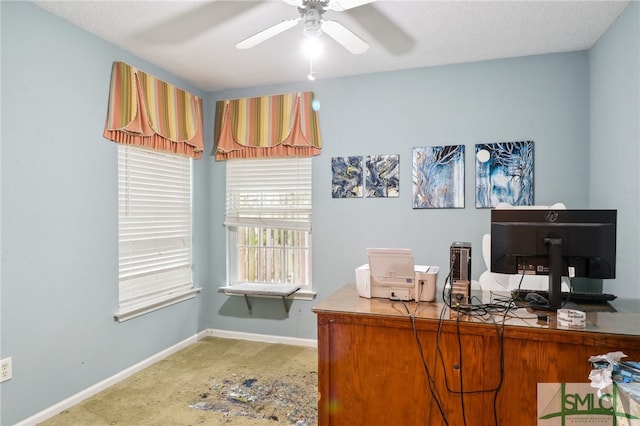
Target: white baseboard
point(213, 332)
point(100, 386)
point(116, 378)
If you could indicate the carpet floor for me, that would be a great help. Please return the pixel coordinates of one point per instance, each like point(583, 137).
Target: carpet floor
point(215, 381)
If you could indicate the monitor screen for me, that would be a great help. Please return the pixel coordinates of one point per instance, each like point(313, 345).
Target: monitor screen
point(580, 243)
point(391, 267)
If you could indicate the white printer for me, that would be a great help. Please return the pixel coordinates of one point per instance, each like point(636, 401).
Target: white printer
point(391, 274)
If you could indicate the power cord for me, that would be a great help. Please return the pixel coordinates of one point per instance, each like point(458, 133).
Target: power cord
point(500, 334)
point(486, 313)
point(430, 378)
point(483, 312)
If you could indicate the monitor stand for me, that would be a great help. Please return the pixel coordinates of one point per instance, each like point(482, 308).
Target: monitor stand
point(555, 277)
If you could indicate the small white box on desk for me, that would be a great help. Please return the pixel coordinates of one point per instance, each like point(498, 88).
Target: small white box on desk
point(363, 281)
point(426, 277)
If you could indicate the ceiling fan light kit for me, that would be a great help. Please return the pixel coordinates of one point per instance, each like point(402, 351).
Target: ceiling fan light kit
point(312, 47)
point(314, 25)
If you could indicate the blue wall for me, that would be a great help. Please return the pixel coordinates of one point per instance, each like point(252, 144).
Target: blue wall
point(58, 181)
point(540, 98)
point(59, 219)
point(614, 64)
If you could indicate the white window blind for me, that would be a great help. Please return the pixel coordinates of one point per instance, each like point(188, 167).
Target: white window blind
point(269, 193)
point(154, 212)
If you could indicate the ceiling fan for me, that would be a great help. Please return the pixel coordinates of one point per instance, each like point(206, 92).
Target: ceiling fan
point(311, 12)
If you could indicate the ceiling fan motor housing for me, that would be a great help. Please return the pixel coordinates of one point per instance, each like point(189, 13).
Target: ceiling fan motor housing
point(311, 12)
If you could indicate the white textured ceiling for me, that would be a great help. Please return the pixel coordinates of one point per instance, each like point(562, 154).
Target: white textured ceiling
point(194, 40)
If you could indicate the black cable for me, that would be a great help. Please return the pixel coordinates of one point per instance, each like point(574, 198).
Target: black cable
point(500, 333)
point(444, 288)
point(516, 296)
point(570, 292)
point(486, 313)
point(430, 377)
point(464, 414)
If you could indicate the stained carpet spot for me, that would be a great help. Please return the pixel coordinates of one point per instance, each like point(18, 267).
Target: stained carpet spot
point(289, 399)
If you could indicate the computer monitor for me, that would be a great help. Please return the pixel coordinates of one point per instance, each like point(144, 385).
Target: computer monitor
point(391, 267)
point(550, 242)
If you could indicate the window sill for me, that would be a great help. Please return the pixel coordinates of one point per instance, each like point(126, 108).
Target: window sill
point(298, 295)
point(133, 311)
point(304, 295)
point(270, 291)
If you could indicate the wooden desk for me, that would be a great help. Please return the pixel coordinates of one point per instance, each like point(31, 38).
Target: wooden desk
point(371, 371)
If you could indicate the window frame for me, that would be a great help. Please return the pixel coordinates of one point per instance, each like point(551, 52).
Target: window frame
point(300, 224)
point(233, 258)
point(147, 268)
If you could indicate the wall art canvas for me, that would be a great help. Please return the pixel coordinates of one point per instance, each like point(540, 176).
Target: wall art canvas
point(347, 181)
point(438, 177)
point(382, 176)
point(504, 173)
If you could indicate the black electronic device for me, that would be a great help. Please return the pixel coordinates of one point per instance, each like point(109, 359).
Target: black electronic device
point(580, 243)
point(460, 267)
point(580, 297)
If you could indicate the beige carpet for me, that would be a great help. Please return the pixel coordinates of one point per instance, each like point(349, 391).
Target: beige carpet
point(212, 382)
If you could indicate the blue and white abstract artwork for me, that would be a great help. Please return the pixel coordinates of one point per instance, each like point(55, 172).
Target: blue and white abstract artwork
point(504, 173)
point(382, 176)
point(347, 177)
point(438, 177)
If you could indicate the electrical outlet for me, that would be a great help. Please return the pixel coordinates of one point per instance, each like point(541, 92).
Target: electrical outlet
point(5, 370)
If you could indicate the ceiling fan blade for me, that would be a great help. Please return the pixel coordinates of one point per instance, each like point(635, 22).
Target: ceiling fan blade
point(189, 22)
point(385, 31)
point(346, 38)
point(340, 5)
point(267, 34)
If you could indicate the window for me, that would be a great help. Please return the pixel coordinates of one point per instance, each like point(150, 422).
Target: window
point(154, 230)
point(268, 218)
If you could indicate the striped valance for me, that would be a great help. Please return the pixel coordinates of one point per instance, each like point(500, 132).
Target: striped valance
point(267, 126)
point(154, 114)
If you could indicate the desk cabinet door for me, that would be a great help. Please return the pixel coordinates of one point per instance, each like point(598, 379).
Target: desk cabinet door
point(382, 375)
